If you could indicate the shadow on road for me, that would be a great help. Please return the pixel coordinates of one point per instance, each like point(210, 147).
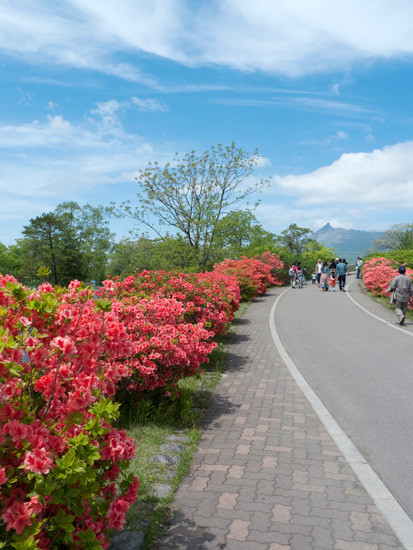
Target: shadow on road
point(184, 533)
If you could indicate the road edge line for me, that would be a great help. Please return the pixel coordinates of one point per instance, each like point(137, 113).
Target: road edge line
point(375, 316)
point(391, 510)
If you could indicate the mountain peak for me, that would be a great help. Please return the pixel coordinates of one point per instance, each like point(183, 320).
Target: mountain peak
point(326, 226)
point(348, 243)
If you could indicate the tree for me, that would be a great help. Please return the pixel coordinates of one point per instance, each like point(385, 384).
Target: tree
point(93, 240)
point(294, 238)
point(10, 259)
point(240, 234)
point(169, 254)
point(312, 251)
point(72, 242)
point(4, 265)
point(191, 195)
point(42, 245)
point(398, 237)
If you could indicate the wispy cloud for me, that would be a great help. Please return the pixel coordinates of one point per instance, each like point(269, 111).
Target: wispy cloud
point(148, 104)
point(55, 157)
point(335, 138)
point(262, 162)
point(292, 39)
point(338, 136)
point(328, 106)
point(24, 97)
point(105, 117)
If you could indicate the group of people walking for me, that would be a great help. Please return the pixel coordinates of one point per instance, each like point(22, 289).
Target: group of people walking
point(326, 275)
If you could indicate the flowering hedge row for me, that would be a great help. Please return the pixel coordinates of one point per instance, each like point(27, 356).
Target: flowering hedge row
point(379, 272)
point(63, 355)
point(171, 319)
point(254, 275)
point(207, 298)
point(59, 454)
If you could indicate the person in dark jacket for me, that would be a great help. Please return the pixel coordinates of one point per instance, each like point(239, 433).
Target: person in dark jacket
point(402, 287)
point(341, 270)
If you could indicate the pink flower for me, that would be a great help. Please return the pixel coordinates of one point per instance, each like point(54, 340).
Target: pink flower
point(117, 513)
point(38, 461)
point(35, 505)
point(46, 287)
point(3, 476)
point(17, 516)
point(16, 429)
point(64, 344)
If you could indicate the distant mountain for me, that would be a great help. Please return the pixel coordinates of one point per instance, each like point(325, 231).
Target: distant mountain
point(348, 243)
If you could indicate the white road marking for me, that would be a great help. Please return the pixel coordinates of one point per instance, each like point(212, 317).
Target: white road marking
point(375, 316)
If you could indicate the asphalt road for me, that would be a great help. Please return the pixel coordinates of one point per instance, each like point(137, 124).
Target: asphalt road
point(362, 370)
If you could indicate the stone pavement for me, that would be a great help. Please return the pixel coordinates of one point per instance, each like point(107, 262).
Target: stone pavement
point(267, 476)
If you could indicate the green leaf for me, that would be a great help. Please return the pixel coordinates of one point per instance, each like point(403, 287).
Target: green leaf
point(43, 271)
point(87, 536)
point(75, 418)
point(103, 305)
point(64, 521)
point(27, 544)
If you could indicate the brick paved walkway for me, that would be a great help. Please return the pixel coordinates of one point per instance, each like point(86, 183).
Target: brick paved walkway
point(267, 476)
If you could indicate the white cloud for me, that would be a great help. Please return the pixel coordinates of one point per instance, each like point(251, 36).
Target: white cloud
point(24, 97)
point(300, 102)
point(149, 104)
point(261, 162)
point(338, 136)
point(107, 111)
point(380, 179)
point(302, 37)
point(290, 38)
point(58, 158)
point(38, 134)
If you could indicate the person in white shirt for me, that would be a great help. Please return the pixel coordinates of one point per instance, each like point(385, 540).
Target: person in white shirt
point(319, 269)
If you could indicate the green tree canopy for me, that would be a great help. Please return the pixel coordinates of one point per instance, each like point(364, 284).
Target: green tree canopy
point(170, 253)
point(294, 238)
point(192, 194)
point(398, 237)
point(240, 234)
point(72, 242)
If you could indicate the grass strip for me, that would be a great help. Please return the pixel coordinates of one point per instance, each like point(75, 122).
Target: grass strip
point(152, 421)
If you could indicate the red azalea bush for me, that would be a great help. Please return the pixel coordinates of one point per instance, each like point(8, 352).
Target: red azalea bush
point(378, 274)
point(208, 298)
point(165, 348)
point(253, 276)
point(59, 454)
point(277, 266)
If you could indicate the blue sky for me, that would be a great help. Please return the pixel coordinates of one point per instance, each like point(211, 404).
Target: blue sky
point(91, 91)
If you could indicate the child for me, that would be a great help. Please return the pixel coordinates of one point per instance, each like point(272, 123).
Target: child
point(333, 281)
point(314, 277)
